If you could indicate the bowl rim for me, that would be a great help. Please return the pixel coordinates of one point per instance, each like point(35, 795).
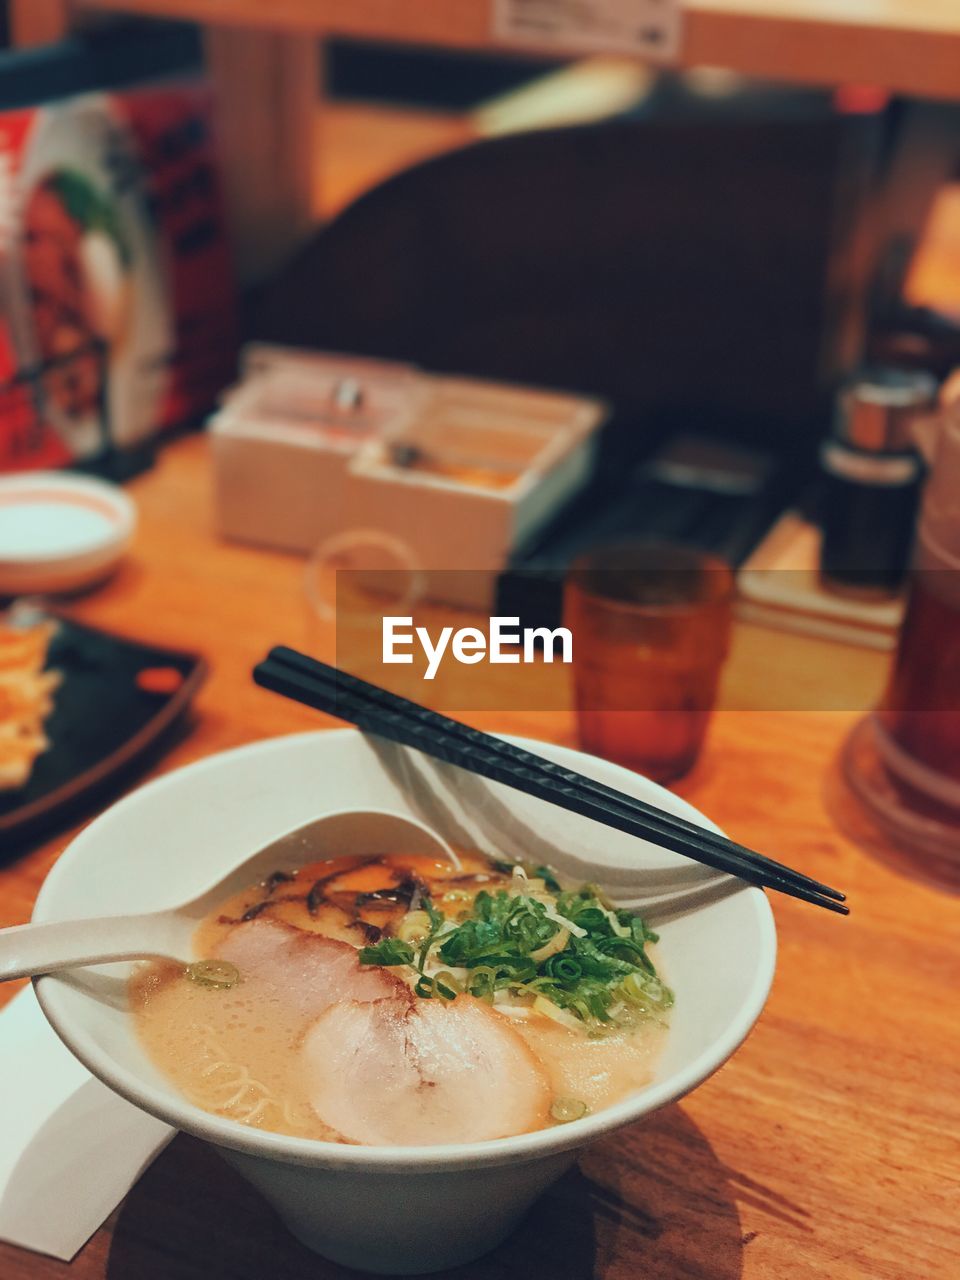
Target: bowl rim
point(519, 1148)
point(116, 508)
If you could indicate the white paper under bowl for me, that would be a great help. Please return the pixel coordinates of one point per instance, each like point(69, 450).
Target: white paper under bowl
point(389, 1209)
point(60, 532)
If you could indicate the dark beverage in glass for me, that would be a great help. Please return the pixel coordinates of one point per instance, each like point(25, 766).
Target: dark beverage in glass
point(921, 709)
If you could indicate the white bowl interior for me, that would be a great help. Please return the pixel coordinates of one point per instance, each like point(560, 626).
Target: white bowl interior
point(173, 838)
point(60, 532)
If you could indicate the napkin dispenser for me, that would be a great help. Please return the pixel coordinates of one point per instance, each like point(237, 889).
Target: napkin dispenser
point(309, 446)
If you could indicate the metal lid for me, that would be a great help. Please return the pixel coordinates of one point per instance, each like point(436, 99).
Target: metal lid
point(877, 410)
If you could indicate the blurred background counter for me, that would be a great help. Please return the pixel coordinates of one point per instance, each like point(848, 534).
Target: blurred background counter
point(265, 66)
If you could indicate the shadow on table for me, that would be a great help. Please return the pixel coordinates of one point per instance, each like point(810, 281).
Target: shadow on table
point(652, 1199)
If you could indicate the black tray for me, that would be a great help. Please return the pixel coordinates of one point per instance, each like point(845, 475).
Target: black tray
point(107, 714)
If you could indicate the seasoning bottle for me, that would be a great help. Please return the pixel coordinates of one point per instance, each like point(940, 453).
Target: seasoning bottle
point(872, 475)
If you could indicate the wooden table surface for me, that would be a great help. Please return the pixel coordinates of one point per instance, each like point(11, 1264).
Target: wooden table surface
point(828, 1147)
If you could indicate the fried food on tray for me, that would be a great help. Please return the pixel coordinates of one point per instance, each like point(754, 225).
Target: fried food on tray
point(26, 699)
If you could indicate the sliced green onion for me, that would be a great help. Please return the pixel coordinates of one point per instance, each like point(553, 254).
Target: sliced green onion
point(446, 985)
point(564, 968)
point(579, 961)
point(646, 990)
point(219, 974)
point(414, 926)
point(551, 947)
point(549, 879)
point(386, 952)
point(566, 1109)
point(481, 983)
point(552, 1011)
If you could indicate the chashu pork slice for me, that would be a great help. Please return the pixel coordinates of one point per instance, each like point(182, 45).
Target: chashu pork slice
point(305, 972)
point(394, 1074)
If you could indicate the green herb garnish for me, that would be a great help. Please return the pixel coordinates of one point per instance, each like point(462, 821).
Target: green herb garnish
point(572, 948)
point(387, 951)
point(437, 921)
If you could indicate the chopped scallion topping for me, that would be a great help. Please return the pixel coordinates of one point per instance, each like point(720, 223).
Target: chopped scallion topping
point(567, 951)
point(387, 951)
point(219, 974)
point(566, 1109)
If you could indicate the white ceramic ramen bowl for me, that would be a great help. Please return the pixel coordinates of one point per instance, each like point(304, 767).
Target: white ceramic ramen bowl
point(387, 1209)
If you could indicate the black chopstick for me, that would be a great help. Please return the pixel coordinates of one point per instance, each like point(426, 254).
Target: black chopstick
point(438, 723)
point(324, 693)
point(391, 717)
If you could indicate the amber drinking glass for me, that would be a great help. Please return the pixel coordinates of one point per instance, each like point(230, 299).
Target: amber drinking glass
point(651, 629)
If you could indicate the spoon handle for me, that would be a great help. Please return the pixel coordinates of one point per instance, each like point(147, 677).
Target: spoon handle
point(27, 950)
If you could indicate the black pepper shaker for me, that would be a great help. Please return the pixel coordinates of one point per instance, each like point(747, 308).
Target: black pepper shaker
point(872, 475)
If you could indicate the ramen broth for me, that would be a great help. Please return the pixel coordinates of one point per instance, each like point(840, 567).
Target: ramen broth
point(329, 1004)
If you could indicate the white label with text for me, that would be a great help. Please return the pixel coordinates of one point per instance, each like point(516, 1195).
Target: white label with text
point(503, 642)
point(650, 27)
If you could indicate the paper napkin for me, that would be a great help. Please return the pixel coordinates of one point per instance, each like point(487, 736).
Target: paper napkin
point(70, 1149)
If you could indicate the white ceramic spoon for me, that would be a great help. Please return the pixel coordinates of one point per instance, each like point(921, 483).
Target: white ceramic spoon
point(30, 949)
